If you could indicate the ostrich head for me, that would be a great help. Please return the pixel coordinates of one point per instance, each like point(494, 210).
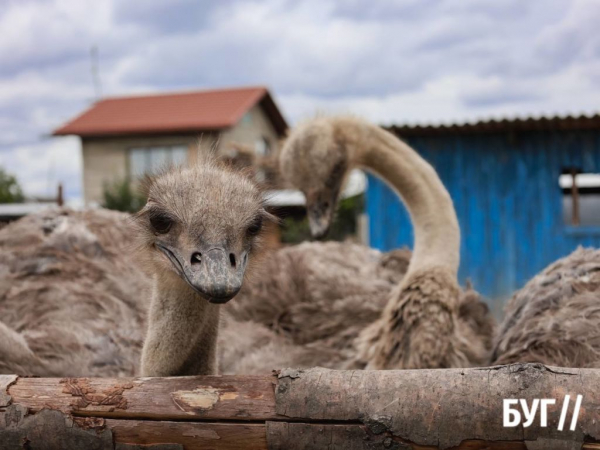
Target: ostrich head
point(315, 161)
point(203, 225)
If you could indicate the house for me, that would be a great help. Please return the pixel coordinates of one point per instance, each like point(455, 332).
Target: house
point(526, 191)
point(125, 137)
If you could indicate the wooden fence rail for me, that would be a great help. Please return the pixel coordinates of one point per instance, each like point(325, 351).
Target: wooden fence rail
point(302, 409)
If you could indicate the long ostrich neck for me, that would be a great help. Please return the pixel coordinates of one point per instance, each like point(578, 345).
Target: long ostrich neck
point(436, 231)
point(182, 331)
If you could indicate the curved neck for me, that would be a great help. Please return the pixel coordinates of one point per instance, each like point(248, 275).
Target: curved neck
point(435, 225)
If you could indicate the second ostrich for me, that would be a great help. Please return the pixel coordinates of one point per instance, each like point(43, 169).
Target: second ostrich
point(428, 322)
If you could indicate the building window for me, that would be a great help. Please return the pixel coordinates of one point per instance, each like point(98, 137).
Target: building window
point(262, 146)
point(580, 197)
point(150, 160)
point(247, 119)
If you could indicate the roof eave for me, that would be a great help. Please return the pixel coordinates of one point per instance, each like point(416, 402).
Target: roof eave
point(274, 114)
point(568, 123)
point(134, 133)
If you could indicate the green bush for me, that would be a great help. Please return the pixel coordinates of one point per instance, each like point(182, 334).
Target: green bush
point(345, 223)
point(10, 190)
point(122, 196)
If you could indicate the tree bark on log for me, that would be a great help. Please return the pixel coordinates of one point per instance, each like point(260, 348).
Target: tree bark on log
point(301, 409)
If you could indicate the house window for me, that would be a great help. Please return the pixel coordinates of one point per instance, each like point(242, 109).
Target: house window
point(580, 197)
point(247, 119)
point(150, 160)
point(262, 147)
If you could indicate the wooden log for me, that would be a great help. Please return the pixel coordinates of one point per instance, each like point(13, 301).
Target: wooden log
point(176, 398)
point(443, 408)
point(301, 409)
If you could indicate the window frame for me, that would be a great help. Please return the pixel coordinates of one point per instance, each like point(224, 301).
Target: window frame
point(265, 144)
point(574, 226)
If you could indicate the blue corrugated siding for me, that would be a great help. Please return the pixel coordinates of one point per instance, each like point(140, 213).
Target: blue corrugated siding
point(505, 190)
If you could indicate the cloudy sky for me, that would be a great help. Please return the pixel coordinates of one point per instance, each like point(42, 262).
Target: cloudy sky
point(416, 61)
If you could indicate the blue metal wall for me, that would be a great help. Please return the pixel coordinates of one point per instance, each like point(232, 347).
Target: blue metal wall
point(509, 205)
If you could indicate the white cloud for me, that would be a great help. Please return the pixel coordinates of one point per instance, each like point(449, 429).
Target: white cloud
point(390, 61)
point(460, 99)
point(42, 165)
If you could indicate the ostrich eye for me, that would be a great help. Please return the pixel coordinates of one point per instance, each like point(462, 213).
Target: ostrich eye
point(161, 224)
point(255, 227)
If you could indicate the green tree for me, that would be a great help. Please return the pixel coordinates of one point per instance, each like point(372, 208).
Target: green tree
point(345, 223)
point(10, 190)
point(121, 196)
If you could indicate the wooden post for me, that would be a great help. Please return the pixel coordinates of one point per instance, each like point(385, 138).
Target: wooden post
point(302, 409)
point(575, 198)
point(60, 200)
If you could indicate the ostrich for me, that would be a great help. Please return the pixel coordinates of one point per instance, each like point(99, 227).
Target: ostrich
point(199, 232)
point(72, 297)
point(427, 322)
point(554, 319)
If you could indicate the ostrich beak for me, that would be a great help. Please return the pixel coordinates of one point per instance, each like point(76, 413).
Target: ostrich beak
point(214, 273)
point(320, 209)
point(319, 226)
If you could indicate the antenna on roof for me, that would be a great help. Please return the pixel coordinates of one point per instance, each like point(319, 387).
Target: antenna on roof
point(95, 72)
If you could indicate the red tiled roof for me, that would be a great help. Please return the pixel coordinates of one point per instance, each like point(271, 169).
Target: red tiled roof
point(172, 113)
